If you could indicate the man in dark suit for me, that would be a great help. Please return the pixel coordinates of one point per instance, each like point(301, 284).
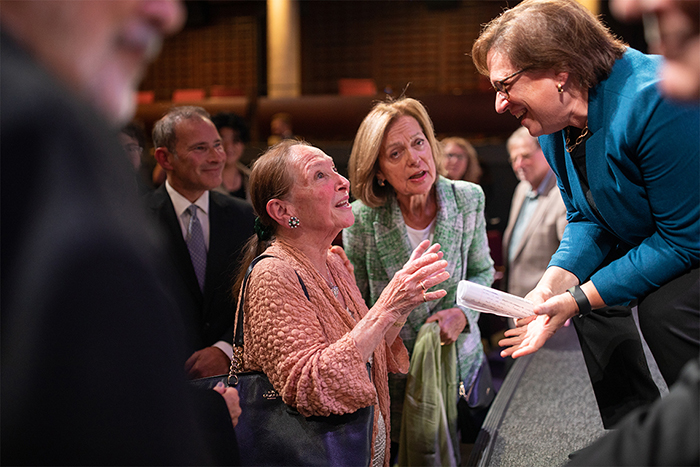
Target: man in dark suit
point(88, 332)
point(189, 149)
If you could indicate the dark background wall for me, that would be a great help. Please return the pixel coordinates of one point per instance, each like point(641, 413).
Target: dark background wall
point(414, 47)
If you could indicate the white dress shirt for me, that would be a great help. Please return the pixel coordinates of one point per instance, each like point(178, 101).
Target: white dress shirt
point(180, 203)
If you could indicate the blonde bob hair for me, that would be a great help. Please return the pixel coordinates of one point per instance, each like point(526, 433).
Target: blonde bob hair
point(559, 35)
point(363, 164)
point(473, 172)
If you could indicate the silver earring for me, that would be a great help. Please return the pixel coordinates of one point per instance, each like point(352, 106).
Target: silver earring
point(294, 222)
point(559, 88)
point(380, 181)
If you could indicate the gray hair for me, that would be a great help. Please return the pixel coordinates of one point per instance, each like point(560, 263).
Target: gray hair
point(164, 129)
point(521, 134)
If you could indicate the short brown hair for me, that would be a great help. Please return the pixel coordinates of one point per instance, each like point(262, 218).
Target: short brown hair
point(559, 35)
point(363, 165)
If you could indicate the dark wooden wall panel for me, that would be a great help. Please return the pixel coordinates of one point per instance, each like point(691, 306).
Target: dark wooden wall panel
point(394, 43)
point(223, 52)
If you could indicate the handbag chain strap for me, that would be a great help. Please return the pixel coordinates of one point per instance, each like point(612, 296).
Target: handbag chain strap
point(462, 391)
point(236, 366)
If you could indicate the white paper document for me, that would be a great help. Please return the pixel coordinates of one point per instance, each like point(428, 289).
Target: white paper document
point(488, 300)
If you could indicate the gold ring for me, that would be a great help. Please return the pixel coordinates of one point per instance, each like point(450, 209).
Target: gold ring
point(425, 298)
point(422, 286)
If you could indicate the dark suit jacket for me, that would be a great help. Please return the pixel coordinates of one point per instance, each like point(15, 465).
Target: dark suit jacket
point(210, 314)
point(90, 373)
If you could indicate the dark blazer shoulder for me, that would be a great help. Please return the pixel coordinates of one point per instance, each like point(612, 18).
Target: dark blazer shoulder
point(233, 216)
point(155, 198)
point(232, 203)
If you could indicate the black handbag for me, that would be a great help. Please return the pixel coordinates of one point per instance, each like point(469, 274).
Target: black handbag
point(270, 432)
point(473, 404)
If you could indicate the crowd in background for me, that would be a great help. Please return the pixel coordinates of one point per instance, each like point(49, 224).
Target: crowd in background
point(122, 270)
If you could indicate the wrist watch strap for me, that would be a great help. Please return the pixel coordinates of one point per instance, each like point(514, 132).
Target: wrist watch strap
point(584, 306)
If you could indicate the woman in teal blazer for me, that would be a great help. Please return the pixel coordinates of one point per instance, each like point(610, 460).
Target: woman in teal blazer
point(402, 200)
point(627, 163)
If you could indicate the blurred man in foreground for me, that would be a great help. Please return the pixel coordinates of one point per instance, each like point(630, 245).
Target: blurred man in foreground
point(90, 342)
point(672, 28)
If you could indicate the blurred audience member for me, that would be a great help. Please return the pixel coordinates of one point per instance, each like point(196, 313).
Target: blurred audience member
point(460, 160)
point(206, 231)
point(133, 141)
point(280, 128)
point(537, 215)
point(234, 136)
point(88, 333)
point(673, 29)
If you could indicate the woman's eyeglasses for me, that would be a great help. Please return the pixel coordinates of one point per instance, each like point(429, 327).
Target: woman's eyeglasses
point(500, 85)
point(456, 156)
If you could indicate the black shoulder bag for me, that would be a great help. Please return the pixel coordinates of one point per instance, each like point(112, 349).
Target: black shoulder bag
point(270, 432)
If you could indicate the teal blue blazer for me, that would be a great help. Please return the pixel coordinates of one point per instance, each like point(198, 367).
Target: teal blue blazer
point(643, 167)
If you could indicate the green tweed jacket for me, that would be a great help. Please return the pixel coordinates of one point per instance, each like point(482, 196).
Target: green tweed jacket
point(378, 246)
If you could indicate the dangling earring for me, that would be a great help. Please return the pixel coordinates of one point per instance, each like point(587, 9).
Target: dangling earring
point(380, 181)
point(294, 222)
point(559, 88)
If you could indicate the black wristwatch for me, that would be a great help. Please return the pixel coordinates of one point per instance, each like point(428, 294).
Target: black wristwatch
point(584, 306)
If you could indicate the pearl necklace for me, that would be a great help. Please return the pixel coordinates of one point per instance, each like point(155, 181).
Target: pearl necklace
point(570, 148)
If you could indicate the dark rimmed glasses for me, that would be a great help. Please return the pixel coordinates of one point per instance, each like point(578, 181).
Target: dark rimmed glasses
point(500, 85)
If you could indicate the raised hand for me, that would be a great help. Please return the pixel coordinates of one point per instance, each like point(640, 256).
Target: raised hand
point(409, 286)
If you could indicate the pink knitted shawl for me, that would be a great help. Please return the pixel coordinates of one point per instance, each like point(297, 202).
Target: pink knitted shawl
point(304, 346)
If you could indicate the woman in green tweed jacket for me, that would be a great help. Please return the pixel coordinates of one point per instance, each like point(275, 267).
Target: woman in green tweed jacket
point(401, 200)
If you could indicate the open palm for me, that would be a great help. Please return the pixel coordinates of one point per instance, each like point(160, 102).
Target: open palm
point(528, 338)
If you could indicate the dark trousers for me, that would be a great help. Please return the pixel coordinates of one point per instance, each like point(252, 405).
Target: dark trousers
point(613, 352)
point(670, 322)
